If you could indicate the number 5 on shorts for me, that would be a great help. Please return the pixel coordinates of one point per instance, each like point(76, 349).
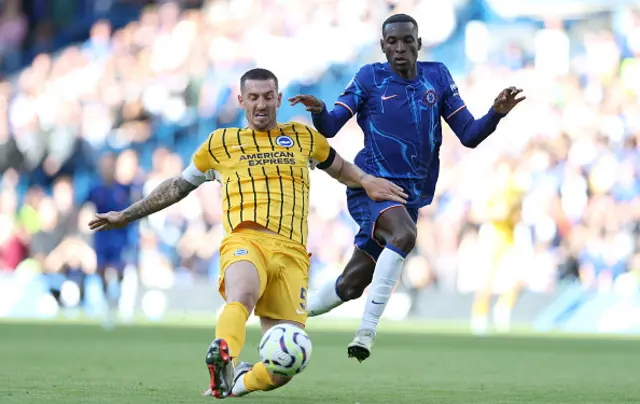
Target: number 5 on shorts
point(303, 298)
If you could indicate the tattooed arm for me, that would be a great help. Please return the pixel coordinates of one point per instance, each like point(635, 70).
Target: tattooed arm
point(164, 195)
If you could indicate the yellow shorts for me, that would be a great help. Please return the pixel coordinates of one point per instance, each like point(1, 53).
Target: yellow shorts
point(283, 266)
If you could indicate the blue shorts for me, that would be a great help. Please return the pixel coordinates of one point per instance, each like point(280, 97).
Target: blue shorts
point(366, 212)
point(111, 257)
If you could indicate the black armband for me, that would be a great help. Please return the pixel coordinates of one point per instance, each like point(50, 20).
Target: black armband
point(327, 163)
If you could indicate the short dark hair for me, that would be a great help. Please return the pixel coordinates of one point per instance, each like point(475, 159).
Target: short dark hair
point(399, 18)
point(258, 74)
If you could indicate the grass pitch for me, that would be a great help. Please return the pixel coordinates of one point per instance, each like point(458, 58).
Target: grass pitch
point(62, 363)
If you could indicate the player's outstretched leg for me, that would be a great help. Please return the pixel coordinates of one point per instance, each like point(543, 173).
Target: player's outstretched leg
point(250, 378)
point(241, 286)
point(348, 286)
point(397, 229)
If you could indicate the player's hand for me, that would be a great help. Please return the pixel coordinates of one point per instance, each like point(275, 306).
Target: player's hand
point(108, 221)
point(313, 104)
point(380, 189)
point(507, 100)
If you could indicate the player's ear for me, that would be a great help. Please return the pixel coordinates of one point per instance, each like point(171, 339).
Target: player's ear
point(382, 45)
point(419, 43)
point(279, 99)
point(240, 100)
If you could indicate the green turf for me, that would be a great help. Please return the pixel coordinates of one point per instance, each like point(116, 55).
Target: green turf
point(53, 363)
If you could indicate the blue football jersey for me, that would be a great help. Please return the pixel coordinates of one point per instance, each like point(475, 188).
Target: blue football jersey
point(401, 123)
point(106, 198)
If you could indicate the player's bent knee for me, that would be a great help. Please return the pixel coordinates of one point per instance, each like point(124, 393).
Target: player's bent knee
point(352, 286)
point(246, 298)
point(242, 284)
point(353, 293)
point(244, 294)
point(356, 276)
point(405, 239)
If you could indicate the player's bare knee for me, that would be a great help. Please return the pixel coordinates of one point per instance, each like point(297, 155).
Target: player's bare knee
point(247, 298)
point(355, 292)
point(347, 286)
point(349, 292)
point(242, 284)
point(356, 276)
point(351, 286)
point(405, 239)
point(243, 294)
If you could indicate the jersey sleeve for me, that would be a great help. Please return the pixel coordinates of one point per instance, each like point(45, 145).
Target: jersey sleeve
point(354, 95)
point(91, 196)
point(322, 154)
point(202, 166)
point(452, 102)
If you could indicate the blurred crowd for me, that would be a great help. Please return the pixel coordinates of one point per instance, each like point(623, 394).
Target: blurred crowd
point(564, 164)
point(28, 27)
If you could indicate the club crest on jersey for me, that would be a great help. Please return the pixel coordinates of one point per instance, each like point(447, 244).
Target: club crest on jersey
point(241, 251)
point(284, 141)
point(430, 97)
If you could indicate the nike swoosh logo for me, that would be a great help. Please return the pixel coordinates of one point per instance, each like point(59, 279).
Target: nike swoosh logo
point(374, 302)
point(237, 147)
point(384, 97)
point(300, 311)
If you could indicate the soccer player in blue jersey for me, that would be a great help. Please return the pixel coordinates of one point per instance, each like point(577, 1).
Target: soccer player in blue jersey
point(399, 105)
point(109, 195)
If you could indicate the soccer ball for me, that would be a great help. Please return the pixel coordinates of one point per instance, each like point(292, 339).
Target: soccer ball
point(285, 349)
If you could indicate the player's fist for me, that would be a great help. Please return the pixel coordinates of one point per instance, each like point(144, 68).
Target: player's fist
point(507, 100)
point(108, 221)
point(313, 104)
point(380, 189)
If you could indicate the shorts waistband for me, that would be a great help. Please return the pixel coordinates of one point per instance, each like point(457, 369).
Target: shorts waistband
point(273, 236)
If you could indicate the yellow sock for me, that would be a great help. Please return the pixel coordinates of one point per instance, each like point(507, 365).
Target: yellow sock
point(232, 326)
point(509, 298)
point(258, 379)
point(480, 306)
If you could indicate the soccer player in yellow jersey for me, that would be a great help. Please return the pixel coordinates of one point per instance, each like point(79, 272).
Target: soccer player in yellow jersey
point(264, 172)
point(502, 212)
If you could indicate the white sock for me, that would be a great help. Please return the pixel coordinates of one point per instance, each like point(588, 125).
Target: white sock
point(386, 275)
point(239, 389)
point(112, 293)
point(324, 299)
point(502, 317)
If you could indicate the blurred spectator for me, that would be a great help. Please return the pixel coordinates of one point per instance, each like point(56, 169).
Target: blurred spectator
point(13, 29)
point(13, 238)
point(110, 195)
point(99, 43)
